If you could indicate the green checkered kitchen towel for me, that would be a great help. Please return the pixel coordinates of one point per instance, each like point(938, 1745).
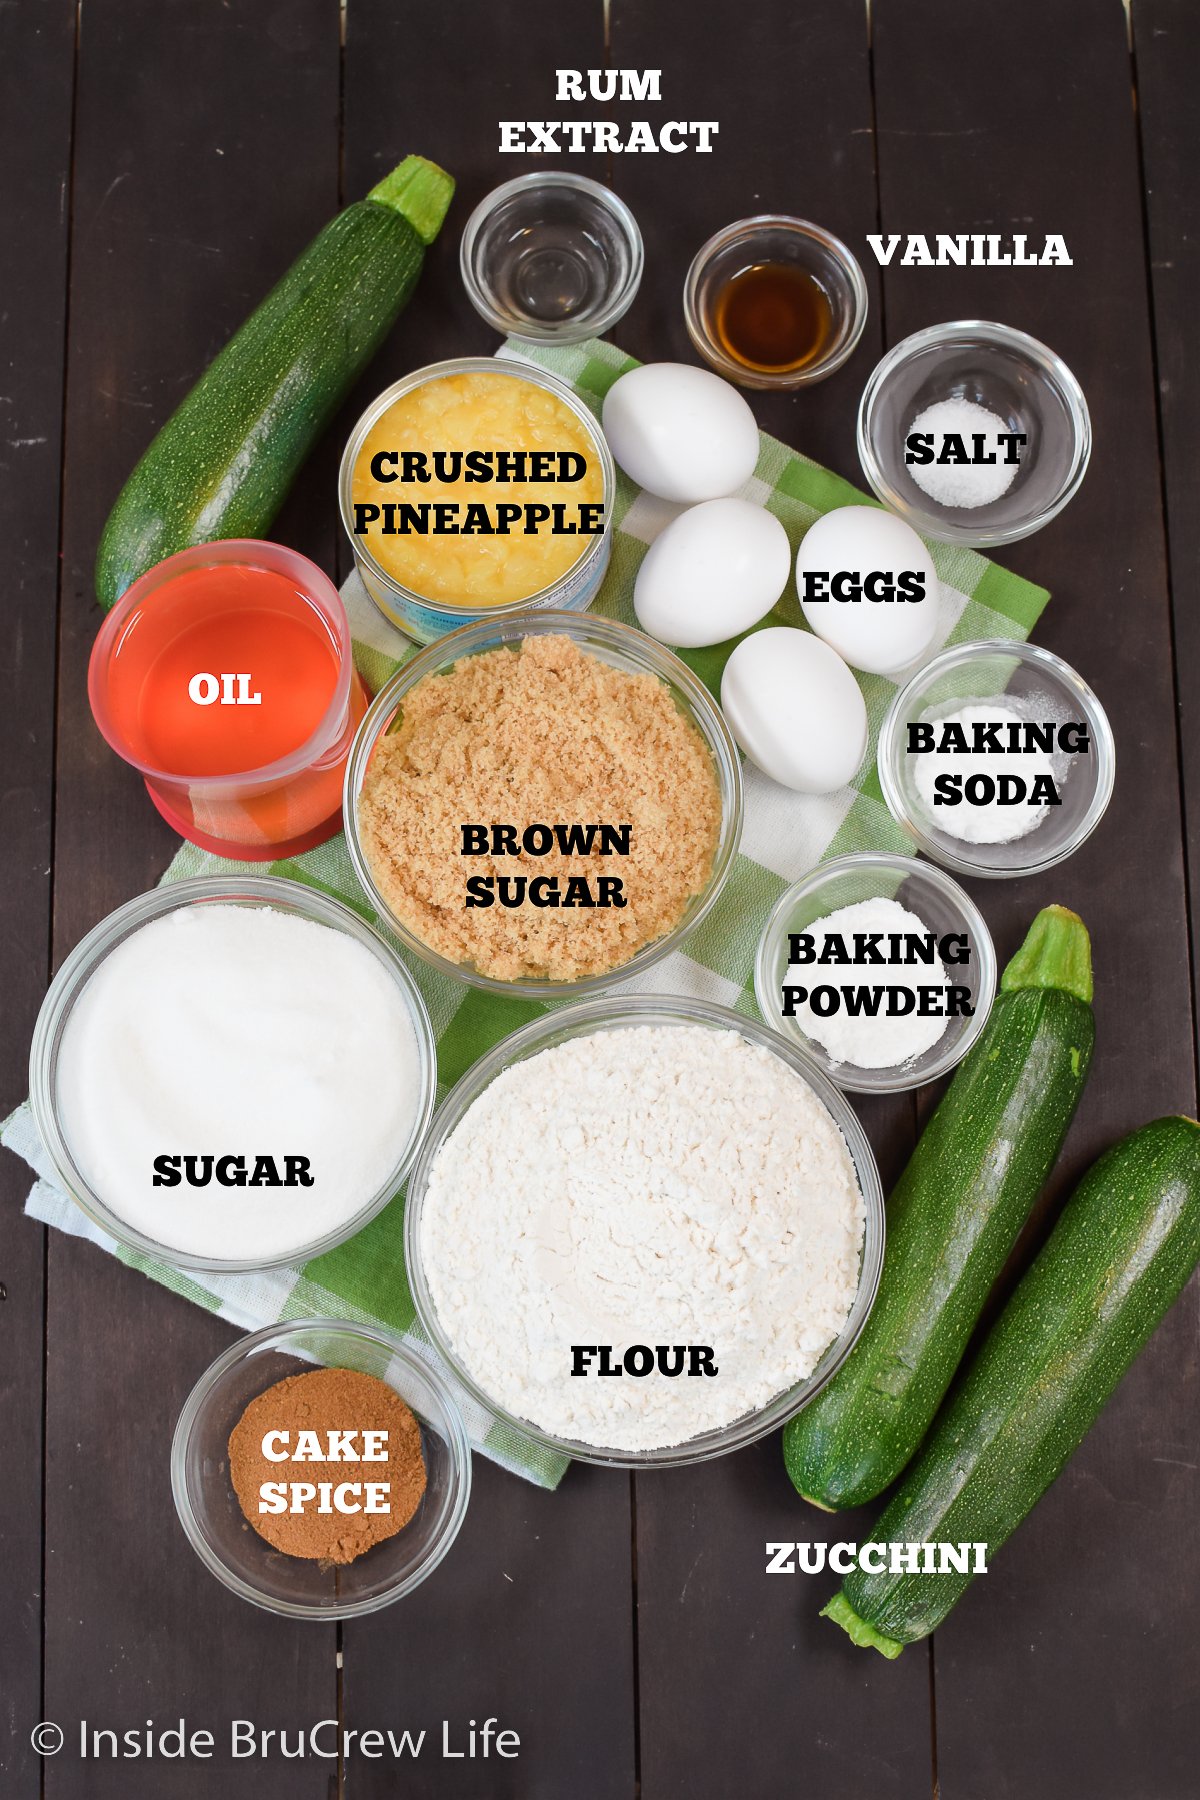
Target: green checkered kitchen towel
point(785, 834)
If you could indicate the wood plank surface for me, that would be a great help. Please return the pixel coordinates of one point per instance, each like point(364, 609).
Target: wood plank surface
point(624, 1627)
point(743, 1689)
point(1022, 120)
point(205, 158)
point(477, 66)
point(37, 63)
point(1166, 41)
point(530, 1620)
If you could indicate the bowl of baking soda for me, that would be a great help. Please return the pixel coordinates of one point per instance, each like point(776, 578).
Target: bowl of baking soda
point(232, 1073)
point(974, 432)
point(320, 1469)
point(997, 758)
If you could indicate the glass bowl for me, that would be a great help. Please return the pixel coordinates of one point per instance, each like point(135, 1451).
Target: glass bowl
point(1029, 681)
point(1009, 373)
point(427, 619)
point(551, 257)
point(940, 902)
point(87, 956)
point(615, 1014)
point(262, 814)
point(776, 238)
point(623, 647)
point(208, 1508)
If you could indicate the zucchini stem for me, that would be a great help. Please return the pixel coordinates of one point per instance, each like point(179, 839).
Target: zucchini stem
point(1057, 953)
point(420, 192)
point(858, 1630)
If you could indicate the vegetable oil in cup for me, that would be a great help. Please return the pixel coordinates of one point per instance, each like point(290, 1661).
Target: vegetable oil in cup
point(225, 676)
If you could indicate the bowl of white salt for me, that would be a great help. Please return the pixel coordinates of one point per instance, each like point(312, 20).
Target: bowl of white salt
point(974, 432)
point(997, 759)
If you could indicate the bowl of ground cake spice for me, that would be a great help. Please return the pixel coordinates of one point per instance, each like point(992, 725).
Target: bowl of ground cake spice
point(320, 1470)
point(543, 804)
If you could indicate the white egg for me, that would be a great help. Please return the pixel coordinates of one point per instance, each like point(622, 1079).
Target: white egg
point(795, 709)
point(679, 432)
point(852, 569)
point(714, 572)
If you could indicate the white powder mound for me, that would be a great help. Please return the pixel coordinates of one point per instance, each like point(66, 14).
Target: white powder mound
point(645, 1185)
point(990, 823)
point(237, 1030)
point(881, 1042)
point(963, 485)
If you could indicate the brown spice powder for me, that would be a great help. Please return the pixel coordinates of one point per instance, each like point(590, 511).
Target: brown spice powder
point(323, 1401)
point(548, 735)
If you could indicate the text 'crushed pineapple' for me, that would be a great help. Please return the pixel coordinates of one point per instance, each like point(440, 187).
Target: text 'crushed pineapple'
point(478, 489)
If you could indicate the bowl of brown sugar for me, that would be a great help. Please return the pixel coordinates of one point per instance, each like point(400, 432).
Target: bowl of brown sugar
point(543, 804)
point(321, 1470)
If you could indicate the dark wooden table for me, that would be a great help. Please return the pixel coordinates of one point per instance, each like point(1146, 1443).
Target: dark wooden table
point(162, 161)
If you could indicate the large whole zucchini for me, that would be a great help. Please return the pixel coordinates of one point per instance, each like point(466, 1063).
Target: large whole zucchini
point(1125, 1246)
point(222, 464)
point(953, 1218)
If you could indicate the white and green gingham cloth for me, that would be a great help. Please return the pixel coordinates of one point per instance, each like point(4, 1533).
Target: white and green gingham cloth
point(784, 835)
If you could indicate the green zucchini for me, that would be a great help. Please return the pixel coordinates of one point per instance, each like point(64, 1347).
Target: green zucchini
point(222, 465)
point(1122, 1251)
point(953, 1218)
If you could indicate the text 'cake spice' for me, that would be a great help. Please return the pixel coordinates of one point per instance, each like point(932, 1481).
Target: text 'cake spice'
point(326, 1465)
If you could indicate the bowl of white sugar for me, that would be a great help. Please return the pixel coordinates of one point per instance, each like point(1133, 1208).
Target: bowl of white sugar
point(974, 432)
point(644, 1231)
point(997, 758)
point(232, 1073)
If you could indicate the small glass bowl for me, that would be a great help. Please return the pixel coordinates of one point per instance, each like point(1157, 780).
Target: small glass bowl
point(72, 979)
point(1030, 681)
point(1009, 373)
point(776, 238)
point(416, 614)
point(551, 257)
point(213, 1520)
point(256, 815)
point(622, 647)
point(616, 1014)
point(940, 902)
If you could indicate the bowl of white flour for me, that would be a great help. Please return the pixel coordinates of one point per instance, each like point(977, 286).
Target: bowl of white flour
point(644, 1230)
